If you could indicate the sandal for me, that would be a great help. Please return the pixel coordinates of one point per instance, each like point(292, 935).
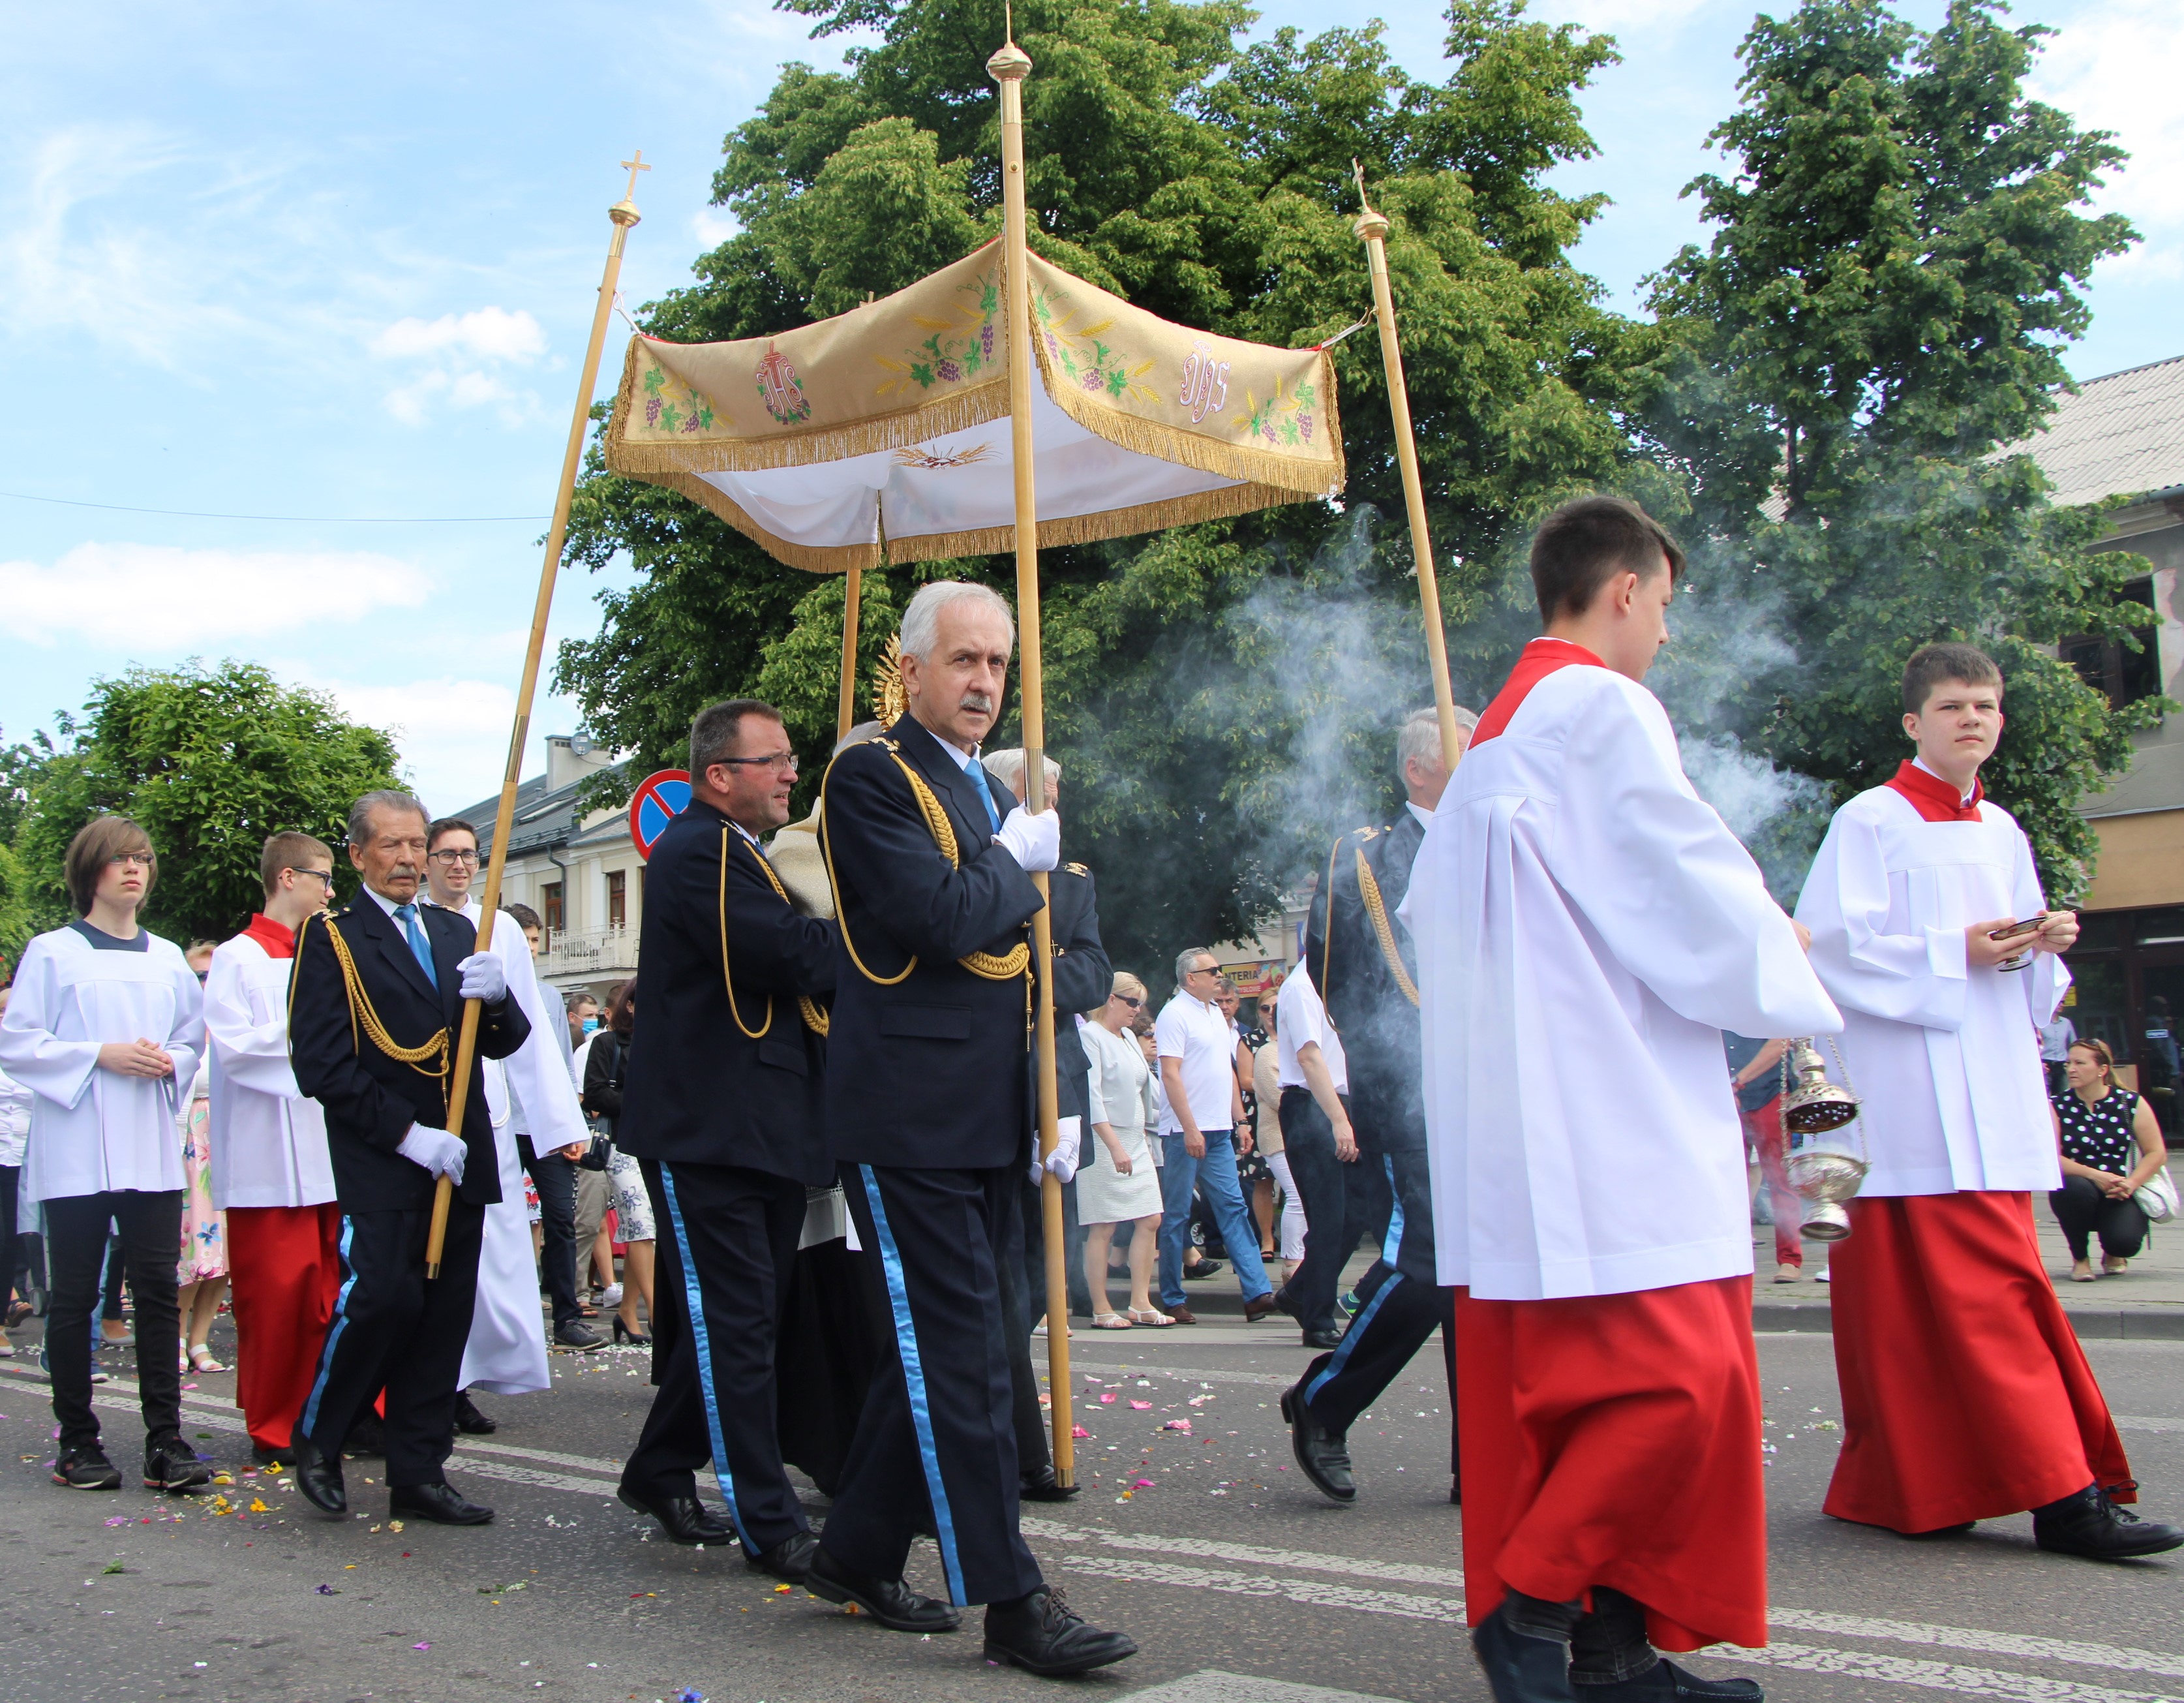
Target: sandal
point(1149, 1316)
point(2113, 1268)
point(1109, 1322)
point(201, 1360)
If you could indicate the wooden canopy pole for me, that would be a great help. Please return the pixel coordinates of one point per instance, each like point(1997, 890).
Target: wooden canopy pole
point(624, 214)
point(1008, 67)
point(845, 701)
point(1372, 229)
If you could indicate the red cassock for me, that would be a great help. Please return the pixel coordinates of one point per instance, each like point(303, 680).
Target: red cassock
point(287, 1266)
point(1615, 1440)
point(1965, 1393)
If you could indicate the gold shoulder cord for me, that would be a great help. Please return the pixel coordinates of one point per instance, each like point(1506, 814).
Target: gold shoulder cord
point(813, 1018)
point(1378, 909)
point(360, 1009)
point(1006, 967)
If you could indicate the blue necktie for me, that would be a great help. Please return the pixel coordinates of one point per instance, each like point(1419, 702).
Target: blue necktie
point(976, 771)
point(418, 944)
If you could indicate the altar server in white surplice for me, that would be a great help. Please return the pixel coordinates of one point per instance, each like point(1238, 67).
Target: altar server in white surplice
point(1966, 1394)
point(506, 1354)
point(1586, 927)
point(105, 1027)
point(272, 1173)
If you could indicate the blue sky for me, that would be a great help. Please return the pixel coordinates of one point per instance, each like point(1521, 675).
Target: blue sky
point(337, 262)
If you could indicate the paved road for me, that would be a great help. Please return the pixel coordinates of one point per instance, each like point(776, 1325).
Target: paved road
point(1224, 1564)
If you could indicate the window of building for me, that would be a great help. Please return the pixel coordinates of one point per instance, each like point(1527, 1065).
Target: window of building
point(552, 910)
point(2128, 976)
point(2111, 665)
point(617, 899)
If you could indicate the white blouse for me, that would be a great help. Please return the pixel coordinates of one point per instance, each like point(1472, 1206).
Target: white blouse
point(92, 1131)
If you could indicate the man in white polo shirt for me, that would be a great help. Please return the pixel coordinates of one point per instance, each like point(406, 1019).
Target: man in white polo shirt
point(1203, 1133)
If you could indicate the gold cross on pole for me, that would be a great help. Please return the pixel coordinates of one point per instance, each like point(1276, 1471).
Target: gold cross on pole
point(634, 166)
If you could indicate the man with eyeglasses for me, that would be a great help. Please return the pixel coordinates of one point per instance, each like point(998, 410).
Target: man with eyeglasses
point(375, 1009)
point(721, 1108)
point(272, 1173)
point(1203, 1133)
point(533, 1101)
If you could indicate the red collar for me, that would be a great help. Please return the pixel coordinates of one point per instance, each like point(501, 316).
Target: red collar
point(1540, 658)
point(279, 941)
point(1934, 798)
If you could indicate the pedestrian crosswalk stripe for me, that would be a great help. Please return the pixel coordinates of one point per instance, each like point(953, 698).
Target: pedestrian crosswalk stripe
point(1214, 1686)
point(1313, 1592)
point(1940, 1675)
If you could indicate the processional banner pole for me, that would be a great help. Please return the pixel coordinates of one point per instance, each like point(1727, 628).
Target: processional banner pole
point(1372, 229)
point(1008, 67)
point(624, 214)
point(845, 698)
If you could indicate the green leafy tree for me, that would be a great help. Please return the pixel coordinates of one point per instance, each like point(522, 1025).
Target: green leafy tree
point(1208, 752)
point(1839, 377)
point(210, 761)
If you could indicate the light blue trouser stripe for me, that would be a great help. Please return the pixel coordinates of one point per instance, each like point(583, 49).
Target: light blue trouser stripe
point(333, 1335)
point(1391, 1244)
point(694, 1304)
point(913, 1373)
point(1350, 1336)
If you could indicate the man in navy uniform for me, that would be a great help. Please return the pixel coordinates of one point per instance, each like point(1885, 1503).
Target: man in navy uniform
point(720, 1105)
point(1365, 970)
point(926, 1086)
point(374, 1006)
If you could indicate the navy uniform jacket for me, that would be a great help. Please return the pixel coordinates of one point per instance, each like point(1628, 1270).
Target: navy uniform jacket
point(926, 1067)
point(723, 1069)
point(370, 1099)
point(1082, 980)
point(1377, 1020)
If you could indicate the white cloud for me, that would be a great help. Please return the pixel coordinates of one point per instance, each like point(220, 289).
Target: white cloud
point(451, 732)
point(713, 227)
point(174, 599)
point(2117, 66)
point(488, 334)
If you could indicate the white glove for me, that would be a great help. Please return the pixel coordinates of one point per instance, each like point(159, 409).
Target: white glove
point(1062, 1161)
point(439, 1153)
point(1035, 841)
point(483, 978)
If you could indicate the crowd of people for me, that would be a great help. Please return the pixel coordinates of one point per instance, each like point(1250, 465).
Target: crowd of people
point(820, 1151)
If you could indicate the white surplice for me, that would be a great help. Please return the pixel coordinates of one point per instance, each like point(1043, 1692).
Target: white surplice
point(1945, 1059)
point(94, 1130)
point(268, 1143)
point(506, 1354)
point(1586, 925)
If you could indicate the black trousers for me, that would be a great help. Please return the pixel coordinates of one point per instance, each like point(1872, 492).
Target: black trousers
point(1400, 1305)
point(937, 1442)
point(394, 1330)
point(1342, 1204)
point(727, 1257)
point(76, 1253)
point(2084, 1212)
point(1024, 1299)
point(10, 1176)
point(556, 1179)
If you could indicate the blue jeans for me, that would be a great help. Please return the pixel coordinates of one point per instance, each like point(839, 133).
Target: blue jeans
point(1224, 1193)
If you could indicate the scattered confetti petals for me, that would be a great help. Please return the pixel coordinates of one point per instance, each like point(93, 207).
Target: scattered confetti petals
point(1141, 1406)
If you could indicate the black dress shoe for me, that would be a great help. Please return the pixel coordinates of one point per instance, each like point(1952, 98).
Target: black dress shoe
point(1205, 1268)
point(890, 1602)
point(789, 1559)
point(318, 1476)
point(1042, 1635)
point(1287, 1302)
point(1326, 1337)
point(368, 1436)
point(1043, 1486)
point(468, 1420)
point(1257, 1308)
point(272, 1457)
point(2089, 1524)
point(1321, 1455)
point(684, 1519)
point(1663, 1683)
point(442, 1504)
point(1521, 1668)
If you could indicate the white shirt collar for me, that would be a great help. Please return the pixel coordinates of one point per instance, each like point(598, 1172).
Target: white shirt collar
point(391, 906)
point(1425, 816)
point(1920, 764)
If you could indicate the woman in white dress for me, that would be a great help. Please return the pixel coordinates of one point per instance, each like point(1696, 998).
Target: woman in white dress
point(105, 1027)
point(1118, 1182)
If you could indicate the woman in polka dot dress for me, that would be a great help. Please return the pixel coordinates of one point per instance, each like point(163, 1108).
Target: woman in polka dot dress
point(2110, 1145)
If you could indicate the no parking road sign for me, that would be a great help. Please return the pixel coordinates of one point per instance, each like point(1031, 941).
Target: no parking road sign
point(660, 800)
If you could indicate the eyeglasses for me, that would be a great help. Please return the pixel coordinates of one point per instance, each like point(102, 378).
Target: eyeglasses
point(1132, 1003)
point(133, 860)
point(447, 860)
point(325, 875)
point(780, 762)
